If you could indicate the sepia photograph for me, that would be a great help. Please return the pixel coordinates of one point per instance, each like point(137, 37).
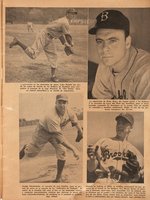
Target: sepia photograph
point(46, 44)
point(75, 100)
point(118, 53)
point(51, 133)
point(115, 149)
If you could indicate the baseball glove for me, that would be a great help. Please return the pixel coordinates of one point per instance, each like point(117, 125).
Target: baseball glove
point(131, 167)
point(68, 50)
point(79, 136)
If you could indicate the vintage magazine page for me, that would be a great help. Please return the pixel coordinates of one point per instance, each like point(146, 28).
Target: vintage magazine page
point(75, 94)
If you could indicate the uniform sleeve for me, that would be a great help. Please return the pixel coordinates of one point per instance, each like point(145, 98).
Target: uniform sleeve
point(140, 84)
point(73, 117)
point(51, 124)
point(100, 88)
point(65, 28)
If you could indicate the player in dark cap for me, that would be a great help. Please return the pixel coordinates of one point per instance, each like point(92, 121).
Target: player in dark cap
point(124, 71)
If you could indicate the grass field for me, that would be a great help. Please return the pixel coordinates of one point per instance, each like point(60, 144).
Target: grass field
point(42, 168)
point(20, 68)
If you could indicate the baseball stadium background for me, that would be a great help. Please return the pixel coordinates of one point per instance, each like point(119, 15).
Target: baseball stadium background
point(20, 68)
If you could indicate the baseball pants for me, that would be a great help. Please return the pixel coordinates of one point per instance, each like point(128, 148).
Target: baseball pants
point(45, 43)
point(40, 138)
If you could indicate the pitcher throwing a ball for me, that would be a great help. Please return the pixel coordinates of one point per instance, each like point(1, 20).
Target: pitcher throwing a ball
point(49, 130)
point(45, 41)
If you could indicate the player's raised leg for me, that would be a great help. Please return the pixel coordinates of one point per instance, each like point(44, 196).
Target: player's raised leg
point(22, 152)
point(31, 52)
point(39, 139)
point(16, 42)
point(35, 49)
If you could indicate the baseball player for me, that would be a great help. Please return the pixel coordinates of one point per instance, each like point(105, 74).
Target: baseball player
point(45, 41)
point(30, 26)
point(123, 71)
point(49, 129)
point(115, 159)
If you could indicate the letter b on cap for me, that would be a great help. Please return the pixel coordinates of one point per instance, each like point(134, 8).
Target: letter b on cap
point(104, 16)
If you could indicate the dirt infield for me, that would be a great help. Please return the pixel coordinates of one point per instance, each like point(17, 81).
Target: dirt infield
point(42, 168)
point(20, 68)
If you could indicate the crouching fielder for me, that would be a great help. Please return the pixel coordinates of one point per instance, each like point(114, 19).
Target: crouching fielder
point(50, 130)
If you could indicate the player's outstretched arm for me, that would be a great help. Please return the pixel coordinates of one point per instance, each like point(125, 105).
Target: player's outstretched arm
point(79, 133)
point(63, 40)
point(62, 140)
point(68, 50)
point(69, 146)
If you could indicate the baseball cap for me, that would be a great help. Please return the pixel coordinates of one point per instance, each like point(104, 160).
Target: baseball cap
point(126, 116)
point(111, 19)
point(63, 97)
point(71, 10)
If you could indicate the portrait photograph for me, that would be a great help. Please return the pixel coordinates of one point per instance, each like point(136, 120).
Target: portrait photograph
point(118, 53)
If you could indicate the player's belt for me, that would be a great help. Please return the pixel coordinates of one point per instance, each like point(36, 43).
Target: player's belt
point(41, 127)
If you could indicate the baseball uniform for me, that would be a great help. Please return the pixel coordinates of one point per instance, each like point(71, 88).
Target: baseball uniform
point(113, 155)
point(133, 82)
point(50, 130)
point(45, 40)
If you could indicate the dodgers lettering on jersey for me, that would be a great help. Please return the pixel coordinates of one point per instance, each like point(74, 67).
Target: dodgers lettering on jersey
point(114, 153)
point(58, 27)
point(133, 82)
point(52, 122)
point(106, 154)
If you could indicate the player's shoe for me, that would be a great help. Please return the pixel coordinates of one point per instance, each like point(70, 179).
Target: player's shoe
point(54, 79)
point(57, 180)
point(22, 152)
point(14, 42)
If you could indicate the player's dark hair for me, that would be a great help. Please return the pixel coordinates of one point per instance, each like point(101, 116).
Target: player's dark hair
point(126, 32)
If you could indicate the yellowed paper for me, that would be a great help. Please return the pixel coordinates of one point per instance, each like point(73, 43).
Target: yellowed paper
point(29, 93)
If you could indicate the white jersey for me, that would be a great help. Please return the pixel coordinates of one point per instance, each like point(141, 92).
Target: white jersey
point(53, 122)
point(133, 82)
point(113, 153)
point(58, 27)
